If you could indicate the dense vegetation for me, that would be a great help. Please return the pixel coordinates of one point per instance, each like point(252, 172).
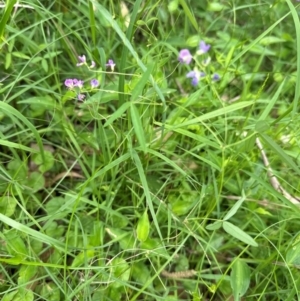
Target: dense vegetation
point(149, 150)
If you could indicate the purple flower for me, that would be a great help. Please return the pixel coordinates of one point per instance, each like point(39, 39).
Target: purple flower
point(81, 97)
point(93, 64)
point(94, 83)
point(203, 48)
point(78, 83)
point(111, 64)
point(185, 56)
point(82, 60)
point(195, 76)
point(69, 83)
point(216, 77)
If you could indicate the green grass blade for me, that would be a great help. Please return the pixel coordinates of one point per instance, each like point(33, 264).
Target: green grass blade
point(216, 113)
point(9, 5)
point(137, 125)
point(145, 186)
point(10, 111)
point(280, 152)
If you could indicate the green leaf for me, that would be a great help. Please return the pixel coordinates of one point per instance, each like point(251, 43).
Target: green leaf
point(219, 112)
point(117, 114)
point(56, 207)
point(120, 270)
point(15, 244)
point(7, 60)
point(234, 208)
point(10, 296)
point(140, 272)
point(36, 181)
point(137, 125)
point(138, 89)
point(239, 279)
point(83, 257)
point(280, 152)
point(45, 65)
point(189, 14)
point(50, 292)
point(239, 234)
point(270, 105)
point(293, 255)
point(34, 233)
point(26, 273)
point(271, 40)
point(125, 239)
point(143, 227)
point(7, 205)
point(46, 164)
point(20, 55)
point(214, 226)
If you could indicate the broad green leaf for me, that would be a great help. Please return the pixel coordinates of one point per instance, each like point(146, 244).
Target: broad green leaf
point(271, 40)
point(46, 164)
point(293, 255)
point(83, 257)
point(24, 295)
point(20, 55)
point(15, 244)
point(45, 65)
point(140, 272)
point(120, 270)
point(7, 60)
point(50, 292)
point(55, 207)
point(143, 227)
point(239, 234)
point(36, 181)
point(155, 247)
point(125, 239)
point(239, 279)
point(214, 226)
point(26, 273)
point(234, 208)
point(7, 205)
point(54, 230)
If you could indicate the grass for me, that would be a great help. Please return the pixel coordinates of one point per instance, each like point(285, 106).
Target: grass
point(150, 188)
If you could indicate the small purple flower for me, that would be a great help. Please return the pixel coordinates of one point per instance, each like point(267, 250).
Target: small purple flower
point(203, 48)
point(111, 64)
point(82, 60)
point(94, 83)
point(93, 64)
point(216, 77)
point(195, 76)
point(69, 83)
point(78, 83)
point(185, 56)
point(80, 97)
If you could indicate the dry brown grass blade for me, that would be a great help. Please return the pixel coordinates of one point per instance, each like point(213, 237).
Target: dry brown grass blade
point(272, 178)
point(62, 175)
